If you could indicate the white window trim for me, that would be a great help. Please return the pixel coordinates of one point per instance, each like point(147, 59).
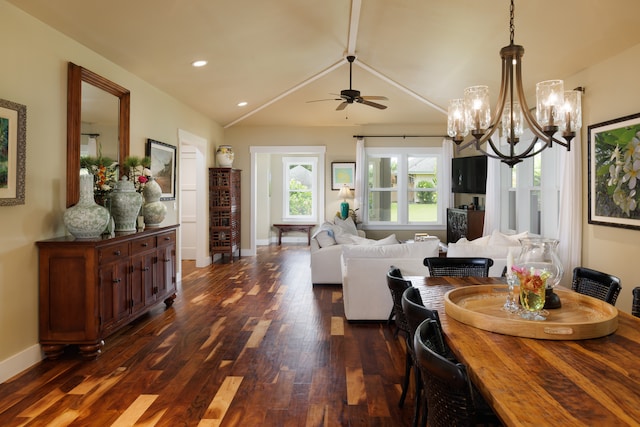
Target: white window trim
point(443, 187)
point(313, 161)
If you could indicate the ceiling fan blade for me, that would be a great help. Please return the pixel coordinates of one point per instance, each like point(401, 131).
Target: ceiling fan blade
point(342, 106)
point(377, 98)
point(328, 99)
point(371, 104)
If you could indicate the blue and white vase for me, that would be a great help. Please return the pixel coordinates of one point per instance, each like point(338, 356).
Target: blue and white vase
point(86, 219)
point(125, 205)
point(153, 209)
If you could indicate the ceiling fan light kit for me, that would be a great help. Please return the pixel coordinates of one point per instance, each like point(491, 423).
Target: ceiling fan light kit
point(556, 110)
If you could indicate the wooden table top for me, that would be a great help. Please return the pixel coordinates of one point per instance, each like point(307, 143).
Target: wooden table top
point(531, 382)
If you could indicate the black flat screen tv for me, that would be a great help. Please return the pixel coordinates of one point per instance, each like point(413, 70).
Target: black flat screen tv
point(469, 175)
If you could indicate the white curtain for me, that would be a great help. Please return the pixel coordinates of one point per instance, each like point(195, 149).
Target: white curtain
point(492, 198)
point(570, 220)
point(447, 155)
point(361, 168)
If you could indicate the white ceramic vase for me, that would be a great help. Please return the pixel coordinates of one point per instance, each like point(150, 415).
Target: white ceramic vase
point(153, 209)
point(125, 205)
point(86, 219)
point(224, 156)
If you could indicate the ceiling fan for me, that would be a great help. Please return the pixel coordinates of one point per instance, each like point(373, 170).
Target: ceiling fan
point(349, 96)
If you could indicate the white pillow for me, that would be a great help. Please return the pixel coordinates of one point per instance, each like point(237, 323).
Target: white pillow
point(346, 225)
point(500, 239)
point(479, 241)
point(389, 240)
point(325, 238)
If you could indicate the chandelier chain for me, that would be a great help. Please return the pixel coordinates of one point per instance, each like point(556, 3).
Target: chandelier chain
point(512, 28)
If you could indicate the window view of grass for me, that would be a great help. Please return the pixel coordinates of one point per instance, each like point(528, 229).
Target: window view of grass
point(418, 212)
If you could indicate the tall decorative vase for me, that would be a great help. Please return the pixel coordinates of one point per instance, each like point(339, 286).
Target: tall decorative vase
point(153, 209)
point(224, 156)
point(125, 205)
point(86, 219)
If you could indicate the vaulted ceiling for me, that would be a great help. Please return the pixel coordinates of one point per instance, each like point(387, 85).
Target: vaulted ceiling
point(276, 55)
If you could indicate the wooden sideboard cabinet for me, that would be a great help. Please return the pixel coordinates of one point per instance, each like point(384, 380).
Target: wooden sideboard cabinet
point(91, 288)
point(464, 223)
point(224, 211)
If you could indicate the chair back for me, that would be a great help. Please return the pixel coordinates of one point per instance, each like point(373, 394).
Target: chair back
point(397, 286)
point(458, 266)
point(446, 384)
point(415, 311)
point(597, 284)
point(635, 303)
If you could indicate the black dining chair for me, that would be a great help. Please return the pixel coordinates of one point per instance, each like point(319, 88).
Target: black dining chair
point(450, 396)
point(416, 313)
point(597, 284)
point(458, 266)
point(635, 303)
point(397, 286)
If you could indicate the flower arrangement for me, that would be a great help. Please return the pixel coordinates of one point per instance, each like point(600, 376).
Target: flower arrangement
point(532, 286)
point(137, 170)
point(105, 174)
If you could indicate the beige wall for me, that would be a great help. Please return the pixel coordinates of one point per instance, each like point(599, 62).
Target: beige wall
point(34, 73)
point(340, 147)
point(612, 91)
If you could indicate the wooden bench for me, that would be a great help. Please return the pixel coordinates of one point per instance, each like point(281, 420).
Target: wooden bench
point(283, 228)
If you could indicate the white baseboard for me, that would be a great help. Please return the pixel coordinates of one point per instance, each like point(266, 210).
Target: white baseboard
point(19, 362)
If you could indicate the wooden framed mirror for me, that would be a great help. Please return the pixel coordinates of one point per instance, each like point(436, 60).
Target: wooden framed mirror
point(78, 110)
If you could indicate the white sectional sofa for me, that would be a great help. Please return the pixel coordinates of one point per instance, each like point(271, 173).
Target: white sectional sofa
point(364, 275)
point(325, 262)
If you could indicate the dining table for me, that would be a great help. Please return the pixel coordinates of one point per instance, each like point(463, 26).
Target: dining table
point(542, 382)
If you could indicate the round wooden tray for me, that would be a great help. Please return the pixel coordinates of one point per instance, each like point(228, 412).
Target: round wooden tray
point(580, 317)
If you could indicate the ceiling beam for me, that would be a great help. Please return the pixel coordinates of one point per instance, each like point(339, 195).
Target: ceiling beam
point(356, 5)
point(288, 92)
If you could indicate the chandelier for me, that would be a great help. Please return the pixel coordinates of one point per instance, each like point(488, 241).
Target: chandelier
point(556, 110)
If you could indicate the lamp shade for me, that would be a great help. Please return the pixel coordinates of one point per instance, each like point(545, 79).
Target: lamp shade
point(345, 192)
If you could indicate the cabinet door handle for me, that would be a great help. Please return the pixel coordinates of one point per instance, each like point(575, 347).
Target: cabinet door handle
point(116, 252)
point(145, 269)
point(167, 238)
point(144, 245)
point(117, 280)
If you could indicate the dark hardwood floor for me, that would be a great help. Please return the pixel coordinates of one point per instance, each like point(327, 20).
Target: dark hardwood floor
point(248, 343)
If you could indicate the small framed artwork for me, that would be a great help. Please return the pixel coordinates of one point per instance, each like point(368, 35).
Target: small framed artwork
point(13, 152)
point(614, 189)
point(163, 167)
point(343, 173)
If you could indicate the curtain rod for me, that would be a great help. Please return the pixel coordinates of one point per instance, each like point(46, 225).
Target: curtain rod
point(401, 136)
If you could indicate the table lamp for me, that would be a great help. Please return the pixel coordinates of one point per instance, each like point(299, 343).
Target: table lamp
point(344, 194)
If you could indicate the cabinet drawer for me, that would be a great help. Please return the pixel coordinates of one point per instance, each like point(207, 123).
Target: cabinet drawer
point(143, 244)
point(165, 239)
point(113, 253)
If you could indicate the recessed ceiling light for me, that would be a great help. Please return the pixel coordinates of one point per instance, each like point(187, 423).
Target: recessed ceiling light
point(200, 63)
point(242, 104)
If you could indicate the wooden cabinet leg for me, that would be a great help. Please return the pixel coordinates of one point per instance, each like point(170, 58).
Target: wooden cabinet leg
point(91, 351)
point(53, 351)
point(169, 301)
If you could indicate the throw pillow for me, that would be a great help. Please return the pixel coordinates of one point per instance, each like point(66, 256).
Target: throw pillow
point(324, 239)
point(389, 240)
point(500, 239)
point(346, 225)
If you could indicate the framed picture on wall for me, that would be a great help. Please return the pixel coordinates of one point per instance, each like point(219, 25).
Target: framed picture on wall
point(163, 167)
point(13, 152)
point(343, 173)
point(614, 189)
